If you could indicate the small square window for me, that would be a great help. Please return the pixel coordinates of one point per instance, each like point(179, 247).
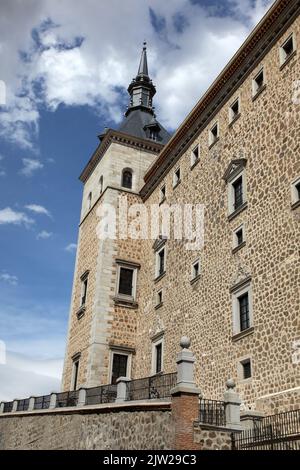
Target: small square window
point(287, 49)
point(246, 369)
point(195, 155)
point(295, 193)
point(176, 177)
point(238, 236)
point(159, 298)
point(162, 193)
point(214, 134)
point(258, 82)
point(234, 110)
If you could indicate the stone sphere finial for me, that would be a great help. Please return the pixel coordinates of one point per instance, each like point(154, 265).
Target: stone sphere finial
point(230, 383)
point(185, 342)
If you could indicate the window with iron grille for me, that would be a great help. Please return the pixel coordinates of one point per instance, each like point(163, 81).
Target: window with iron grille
point(244, 311)
point(238, 192)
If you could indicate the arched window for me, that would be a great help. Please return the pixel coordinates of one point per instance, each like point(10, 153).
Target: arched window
point(127, 178)
point(101, 184)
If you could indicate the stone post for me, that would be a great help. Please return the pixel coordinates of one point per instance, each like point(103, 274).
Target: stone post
point(122, 389)
point(2, 407)
point(53, 397)
point(15, 406)
point(185, 399)
point(81, 397)
point(249, 417)
point(31, 404)
point(232, 406)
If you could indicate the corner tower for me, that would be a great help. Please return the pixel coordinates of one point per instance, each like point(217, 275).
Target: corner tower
point(102, 323)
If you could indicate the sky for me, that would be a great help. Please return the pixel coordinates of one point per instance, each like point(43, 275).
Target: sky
point(65, 66)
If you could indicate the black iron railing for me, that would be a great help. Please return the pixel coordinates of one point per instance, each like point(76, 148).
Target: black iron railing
point(101, 394)
point(147, 388)
point(42, 402)
point(23, 405)
point(64, 399)
point(212, 412)
point(8, 407)
point(275, 432)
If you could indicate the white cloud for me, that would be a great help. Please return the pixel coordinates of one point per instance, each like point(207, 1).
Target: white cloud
point(9, 216)
point(30, 166)
point(38, 209)
point(61, 69)
point(12, 280)
point(44, 235)
point(2, 173)
point(71, 247)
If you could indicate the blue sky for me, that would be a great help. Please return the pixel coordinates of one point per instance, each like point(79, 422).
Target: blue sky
point(66, 72)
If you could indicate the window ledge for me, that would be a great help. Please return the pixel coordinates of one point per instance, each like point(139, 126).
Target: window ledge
point(158, 305)
point(213, 143)
point(236, 117)
point(177, 184)
point(238, 211)
point(158, 278)
point(127, 303)
point(81, 312)
point(242, 334)
point(288, 59)
point(295, 205)
point(259, 92)
point(195, 163)
point(239, 247)
point(195, 279)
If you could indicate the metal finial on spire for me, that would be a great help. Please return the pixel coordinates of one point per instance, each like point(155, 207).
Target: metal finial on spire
point(143, 68)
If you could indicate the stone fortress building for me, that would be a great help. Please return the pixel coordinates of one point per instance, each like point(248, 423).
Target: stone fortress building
point(237, 297)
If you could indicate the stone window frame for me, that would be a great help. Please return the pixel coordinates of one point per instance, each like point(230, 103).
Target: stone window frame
point(176, 177)
point(195, 277)
point(122, 352)
point(231, 115)
point(75, 363)
point(295, 199)
point(237, 291)
point(283, 57)
point(235, 170)
point(194, 159)
point(159, 298)
point(212, 138)
point(235, 245)
point(157, 273)
point(132, 178)
point(123, 298)
point(240, 369)
point(257, 90)
point(156, 340)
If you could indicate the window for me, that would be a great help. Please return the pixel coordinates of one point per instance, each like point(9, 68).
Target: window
point(162, 193)
point(295, 189)
point(119, 366)
point(176, 177)
point(195, 269)
point(287, 49)
point(127, 179)
point(195, 156)
point(75, 373)
point(238, 236)
point(101, 184)
point(246, 369)
point(258, 82)
point(242, 307)
point(84, 287)
point(235, 177)
point(157, 356)
point(234, 110)
point(238, 192)
point(126, 280)
point(159, 298)
point(160, 262)
point(214, 134)
point(89, 200)
point(153, 134)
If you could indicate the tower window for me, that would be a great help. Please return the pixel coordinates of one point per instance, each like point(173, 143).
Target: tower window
point(195, 269)
point(159, 298)
point(287, 49)
point(214, 134)
point(101, 184)
point(127, 179)
point(157, 356)
point(153, 134)
point(195, 156)
point(89, 200)
point(119, 367)
point(84, 288)
point(176, 177)
point(160, 262)
point(243, 301)
point(234, 110)
point(126, 281)
point(258, 82)
point(238, 237)
point(238, 192)
point(75, 374)
point(246, 369)
point(242, 307)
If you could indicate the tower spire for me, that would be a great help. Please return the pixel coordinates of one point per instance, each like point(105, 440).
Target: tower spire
point(143, 67)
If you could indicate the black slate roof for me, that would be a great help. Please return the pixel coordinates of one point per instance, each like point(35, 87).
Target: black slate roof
point(134, 124)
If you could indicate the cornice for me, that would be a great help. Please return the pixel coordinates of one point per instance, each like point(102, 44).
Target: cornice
point(121, 138)
point(256, 46)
